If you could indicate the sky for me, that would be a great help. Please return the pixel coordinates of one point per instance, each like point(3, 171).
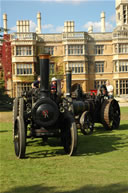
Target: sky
point(55, 12)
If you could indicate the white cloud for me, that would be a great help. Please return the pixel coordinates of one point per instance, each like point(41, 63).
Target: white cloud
point(52, 29)
point(65, 1)
point(109, 26)
point(14, 28)
point(71, 1)
point(33, 26)
point(112, 18)
point(97, 26)
point(48, 26)
point(59, 29)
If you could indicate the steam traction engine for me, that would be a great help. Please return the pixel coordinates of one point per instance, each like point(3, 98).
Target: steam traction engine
point(42, 114)
point(89, 110)
point(38, 114)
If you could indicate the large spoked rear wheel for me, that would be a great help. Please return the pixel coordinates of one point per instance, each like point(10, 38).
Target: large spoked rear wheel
point(21, 107)
point(69, 134)
point(87, 124)
point(19, 138)
point(110, 114)
point(15, 109)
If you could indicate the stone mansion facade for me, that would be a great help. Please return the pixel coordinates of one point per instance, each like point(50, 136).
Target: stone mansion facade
point(93, 57)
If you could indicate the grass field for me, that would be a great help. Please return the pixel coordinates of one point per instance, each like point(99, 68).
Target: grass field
point(100, 165)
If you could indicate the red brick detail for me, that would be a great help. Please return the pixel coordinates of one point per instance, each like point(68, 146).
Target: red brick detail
point(6, 58)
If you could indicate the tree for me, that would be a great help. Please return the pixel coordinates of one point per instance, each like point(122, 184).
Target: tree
point(5, 100)
point(58, 69)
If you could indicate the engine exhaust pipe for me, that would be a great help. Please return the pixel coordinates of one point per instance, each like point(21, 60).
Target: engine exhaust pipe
point(68, 82)
point(44, 75)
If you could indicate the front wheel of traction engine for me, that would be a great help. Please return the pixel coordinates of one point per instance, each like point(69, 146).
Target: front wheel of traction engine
point(110, 114)
point(86, 122)
point(19, 138)
point(69, 133)
point(15, 109)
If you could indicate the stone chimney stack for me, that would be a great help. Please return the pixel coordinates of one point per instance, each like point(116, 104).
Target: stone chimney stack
point(23, 26)
point(103, 22)
point(18, 26)
point(90, 29)
point(69, 26)
point(5, 23)
point(27, 26)
point(39, 23)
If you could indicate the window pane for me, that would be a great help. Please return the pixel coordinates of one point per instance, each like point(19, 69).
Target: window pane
point(99, 49)
point(76, 67)
point(123, 87)
point(24, 69)
point(99, 66)
point(75, 49)
point(23, 50)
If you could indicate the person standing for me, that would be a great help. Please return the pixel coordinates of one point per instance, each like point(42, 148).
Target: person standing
point(54, 85)
point(109, 89)
point(54, 88)
point(36, 83)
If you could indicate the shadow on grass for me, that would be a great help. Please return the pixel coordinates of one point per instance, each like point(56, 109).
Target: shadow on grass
point(113, 188)
point(123, 127)
point(44, 153)
point(53, 142)
point(101, 141)
point(3, 131)
point(87, 145)
point(100, 128)
point(47, 150)
point(99, 144)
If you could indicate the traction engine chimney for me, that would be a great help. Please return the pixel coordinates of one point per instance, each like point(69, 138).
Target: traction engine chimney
point(44, 75)
point(68, 82)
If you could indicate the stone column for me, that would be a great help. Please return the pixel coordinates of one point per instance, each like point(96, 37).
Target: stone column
point(39, 23)
point(103, 22)
point(5, 23)
point(18, 26)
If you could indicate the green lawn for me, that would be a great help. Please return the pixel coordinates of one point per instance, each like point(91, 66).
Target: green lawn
point(100, 165)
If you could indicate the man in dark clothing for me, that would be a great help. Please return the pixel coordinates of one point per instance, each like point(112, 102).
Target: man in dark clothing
point(54, 88)
point(36, 83)
point(54, 85)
